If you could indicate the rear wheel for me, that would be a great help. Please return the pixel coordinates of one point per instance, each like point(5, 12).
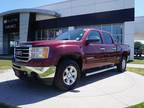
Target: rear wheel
point(67, 75)
point(121, 67)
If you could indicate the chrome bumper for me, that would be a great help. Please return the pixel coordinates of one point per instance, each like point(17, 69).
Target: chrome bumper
point(41, 72)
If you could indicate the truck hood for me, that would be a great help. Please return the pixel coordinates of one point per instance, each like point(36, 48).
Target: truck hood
point(51, 42)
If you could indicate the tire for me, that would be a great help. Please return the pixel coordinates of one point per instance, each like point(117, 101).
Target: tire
point(67, 75)
point(121, 67)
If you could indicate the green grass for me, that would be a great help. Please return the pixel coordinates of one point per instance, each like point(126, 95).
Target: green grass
point(137, 60)
point(5, 64)
point(141, 105)
point(136, 70)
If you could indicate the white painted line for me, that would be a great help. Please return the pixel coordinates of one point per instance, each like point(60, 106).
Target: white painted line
point(100, 71)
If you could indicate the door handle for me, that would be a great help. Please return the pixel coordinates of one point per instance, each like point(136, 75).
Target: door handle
point(113, 48)
point(103, 49)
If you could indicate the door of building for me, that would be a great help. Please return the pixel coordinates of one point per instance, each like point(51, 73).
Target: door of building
point(12, 42)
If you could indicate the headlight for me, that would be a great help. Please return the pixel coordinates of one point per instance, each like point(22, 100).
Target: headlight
point(40, 52)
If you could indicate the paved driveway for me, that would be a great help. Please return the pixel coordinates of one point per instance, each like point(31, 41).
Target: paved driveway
point(105, 90)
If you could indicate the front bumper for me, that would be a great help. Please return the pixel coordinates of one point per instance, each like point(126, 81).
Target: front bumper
point(43, 73)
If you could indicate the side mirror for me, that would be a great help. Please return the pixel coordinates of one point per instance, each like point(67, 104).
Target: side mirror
point(88, 41)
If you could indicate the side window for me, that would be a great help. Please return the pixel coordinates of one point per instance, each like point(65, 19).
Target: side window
point(94, 35)
point(107, 38)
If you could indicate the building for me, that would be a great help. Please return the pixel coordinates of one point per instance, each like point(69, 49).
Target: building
point(45, 22)
point(139, 29)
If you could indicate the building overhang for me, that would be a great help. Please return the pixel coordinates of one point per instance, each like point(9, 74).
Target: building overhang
point(106, 17)
point(32, 10)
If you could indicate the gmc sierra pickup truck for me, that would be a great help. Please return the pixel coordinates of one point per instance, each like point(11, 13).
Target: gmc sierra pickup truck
point(64, 60)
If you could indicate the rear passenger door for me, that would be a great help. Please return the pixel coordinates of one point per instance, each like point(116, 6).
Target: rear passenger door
point(110, 48)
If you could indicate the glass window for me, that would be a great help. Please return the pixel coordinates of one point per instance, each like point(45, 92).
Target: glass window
point(117, 38)
point(71, 35)
point(98, 27)
point(94, 35)
point(107, 38)
point(48, 34)
point(106, 27)
point(117, 29)
point(38, 35)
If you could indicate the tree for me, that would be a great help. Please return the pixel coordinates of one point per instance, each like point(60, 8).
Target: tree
point(139, 48)
point(142, 48)
point(137, 45)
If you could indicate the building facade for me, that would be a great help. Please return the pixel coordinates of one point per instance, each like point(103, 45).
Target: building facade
point(46, 22)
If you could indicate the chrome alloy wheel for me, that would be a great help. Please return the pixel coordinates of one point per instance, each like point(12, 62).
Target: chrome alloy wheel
point(70, 75)
point(123, 64)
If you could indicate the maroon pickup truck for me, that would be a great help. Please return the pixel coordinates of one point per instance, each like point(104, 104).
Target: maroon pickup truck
point(64, 60)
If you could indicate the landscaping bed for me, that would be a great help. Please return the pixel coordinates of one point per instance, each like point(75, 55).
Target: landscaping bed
point(141, 105)
point(136, 70)
point(5, 64)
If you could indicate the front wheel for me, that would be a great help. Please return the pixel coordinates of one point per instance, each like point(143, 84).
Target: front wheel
point(121, 67)
point(67, 74)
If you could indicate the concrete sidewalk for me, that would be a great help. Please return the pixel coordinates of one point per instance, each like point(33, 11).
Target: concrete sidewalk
point(7, 70)
point(135, 65)
point(105, 90)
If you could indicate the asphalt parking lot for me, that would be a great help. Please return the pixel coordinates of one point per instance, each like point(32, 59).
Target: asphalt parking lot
point(106, 90)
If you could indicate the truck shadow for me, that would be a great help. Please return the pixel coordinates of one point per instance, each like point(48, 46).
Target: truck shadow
point(16, 92)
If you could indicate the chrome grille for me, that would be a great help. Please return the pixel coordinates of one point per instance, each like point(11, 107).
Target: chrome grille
point(22, 54)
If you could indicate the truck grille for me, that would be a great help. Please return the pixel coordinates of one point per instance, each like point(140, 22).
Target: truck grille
point(22, 54)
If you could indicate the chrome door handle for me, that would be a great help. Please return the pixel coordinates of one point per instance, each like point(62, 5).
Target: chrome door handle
point(102, 49)
point(113, 48)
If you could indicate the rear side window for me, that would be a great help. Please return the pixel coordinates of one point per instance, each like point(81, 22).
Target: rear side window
point(107, 38)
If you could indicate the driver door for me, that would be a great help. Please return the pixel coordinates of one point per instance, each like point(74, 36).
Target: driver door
point(94, 50)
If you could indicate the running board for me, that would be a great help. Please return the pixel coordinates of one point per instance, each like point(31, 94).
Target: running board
point(100, 71)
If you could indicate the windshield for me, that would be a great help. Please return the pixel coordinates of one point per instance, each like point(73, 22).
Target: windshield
point(71, 35)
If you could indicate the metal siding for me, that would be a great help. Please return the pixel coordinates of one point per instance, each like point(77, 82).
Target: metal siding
point(118, 16)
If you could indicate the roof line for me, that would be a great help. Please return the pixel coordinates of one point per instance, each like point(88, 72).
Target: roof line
point(64, 1)
point(28, 10)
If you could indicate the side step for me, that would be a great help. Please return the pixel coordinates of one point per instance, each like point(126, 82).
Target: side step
point(100, 71)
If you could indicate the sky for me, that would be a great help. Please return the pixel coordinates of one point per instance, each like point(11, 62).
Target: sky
point(6, 5)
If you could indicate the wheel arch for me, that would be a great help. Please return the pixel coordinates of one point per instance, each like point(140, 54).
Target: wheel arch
point(75, 57)
point(125, 54)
